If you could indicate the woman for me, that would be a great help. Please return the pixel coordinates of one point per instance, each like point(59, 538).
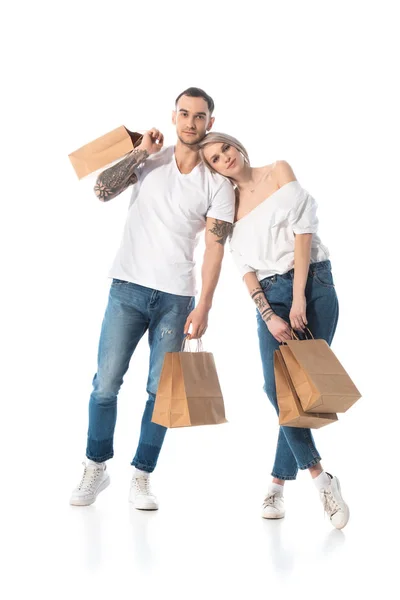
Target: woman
point(287, 272)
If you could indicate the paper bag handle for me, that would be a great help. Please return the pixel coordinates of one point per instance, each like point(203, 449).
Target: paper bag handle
point(186, 345)
point(295, 336)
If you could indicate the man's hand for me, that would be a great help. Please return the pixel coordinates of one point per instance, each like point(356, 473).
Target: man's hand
point(152, 141)
point(297, 315)
point(198, 318)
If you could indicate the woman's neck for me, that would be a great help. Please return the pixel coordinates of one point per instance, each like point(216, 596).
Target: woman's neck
point(245, 177)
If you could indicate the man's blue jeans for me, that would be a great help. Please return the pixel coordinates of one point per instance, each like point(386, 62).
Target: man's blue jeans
point(296, 448)
point(132, 310)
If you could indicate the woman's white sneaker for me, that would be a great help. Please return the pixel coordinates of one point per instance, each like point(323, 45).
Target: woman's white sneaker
point(140, 493)
point(273, 506)
point(334, 505)
point(94, 480)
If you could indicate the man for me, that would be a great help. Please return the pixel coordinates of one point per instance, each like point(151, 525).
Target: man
point(174, 198)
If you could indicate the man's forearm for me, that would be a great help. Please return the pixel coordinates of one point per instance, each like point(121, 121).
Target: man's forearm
point(217, 232)
point(210, 272)
point(302, 252)
point(117, 178)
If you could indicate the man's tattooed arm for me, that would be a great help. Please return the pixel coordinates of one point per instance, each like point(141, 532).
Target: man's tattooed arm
point(117, 178)
point(260, 301)
point(216, 233)
point(222, 230)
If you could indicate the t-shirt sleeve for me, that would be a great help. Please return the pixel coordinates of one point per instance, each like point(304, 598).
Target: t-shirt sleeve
point(147, 165)
point(222, 205)
point(240, 263)
point(303, 217)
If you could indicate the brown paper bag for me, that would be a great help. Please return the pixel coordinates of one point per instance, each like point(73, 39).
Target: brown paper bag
point(104, 150)
point(321, 382)
point(291, 413)
point(188, 392)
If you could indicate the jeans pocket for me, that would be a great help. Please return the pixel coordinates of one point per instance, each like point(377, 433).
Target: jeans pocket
point(266, 284)
point(324, 277)
point(183, 306)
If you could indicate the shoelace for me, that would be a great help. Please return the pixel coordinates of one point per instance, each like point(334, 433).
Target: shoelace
point(329, 502)
point(142, 485)
point(270, 500)
point(88, 478)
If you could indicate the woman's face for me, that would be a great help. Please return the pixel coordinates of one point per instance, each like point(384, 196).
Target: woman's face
point(224, 159)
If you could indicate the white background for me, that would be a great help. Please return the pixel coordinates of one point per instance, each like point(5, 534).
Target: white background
point(310, 82)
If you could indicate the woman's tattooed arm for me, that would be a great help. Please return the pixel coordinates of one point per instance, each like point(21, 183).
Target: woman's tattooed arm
point(260, 301)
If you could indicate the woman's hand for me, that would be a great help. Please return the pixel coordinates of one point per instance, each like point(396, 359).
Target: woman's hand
point(297, 315)
point(278, 328)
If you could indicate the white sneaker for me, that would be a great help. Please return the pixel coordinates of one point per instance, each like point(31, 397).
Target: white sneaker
point(334, 505)
point(273, 506)
point(95, 479)
point(140, 493)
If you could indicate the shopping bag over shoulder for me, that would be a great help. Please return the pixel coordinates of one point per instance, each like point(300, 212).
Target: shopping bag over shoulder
point(104, 150)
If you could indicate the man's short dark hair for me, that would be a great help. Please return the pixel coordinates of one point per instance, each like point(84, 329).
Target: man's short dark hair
point(194, 92)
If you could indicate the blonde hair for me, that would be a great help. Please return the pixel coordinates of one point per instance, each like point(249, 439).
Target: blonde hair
point(222, 138)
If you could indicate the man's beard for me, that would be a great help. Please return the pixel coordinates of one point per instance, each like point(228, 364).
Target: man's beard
point(196, 140)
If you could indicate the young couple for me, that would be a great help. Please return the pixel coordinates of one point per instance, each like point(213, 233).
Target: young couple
point(206, 182)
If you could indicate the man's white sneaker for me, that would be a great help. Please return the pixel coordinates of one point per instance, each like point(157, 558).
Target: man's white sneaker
point(273, 506)
point(140, 493)
point(95, 479)
point(334, 505)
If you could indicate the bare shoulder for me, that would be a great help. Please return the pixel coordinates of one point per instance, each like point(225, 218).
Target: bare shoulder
point(283, 172)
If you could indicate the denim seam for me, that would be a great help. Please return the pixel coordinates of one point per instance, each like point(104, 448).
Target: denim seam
point(283, 477)
point(100, 458)
point(310, 464)
point(323, 265)
point(312, 449)
point(141, 466)
point(326, 285)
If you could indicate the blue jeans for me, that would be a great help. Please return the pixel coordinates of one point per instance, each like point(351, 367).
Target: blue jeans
point(132, 310)
point(296, 448)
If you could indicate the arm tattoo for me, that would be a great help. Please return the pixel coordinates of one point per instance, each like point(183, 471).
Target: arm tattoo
point(261, 302)
point(256, 292)
point(117, 178)
point(222, 230)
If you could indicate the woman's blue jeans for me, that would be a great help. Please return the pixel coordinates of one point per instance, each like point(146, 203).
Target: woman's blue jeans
point(296, 448)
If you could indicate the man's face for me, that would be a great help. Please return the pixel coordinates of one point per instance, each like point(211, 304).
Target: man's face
point(192, 120)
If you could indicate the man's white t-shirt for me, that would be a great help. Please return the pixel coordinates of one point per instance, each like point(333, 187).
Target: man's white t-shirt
point(167, 212)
